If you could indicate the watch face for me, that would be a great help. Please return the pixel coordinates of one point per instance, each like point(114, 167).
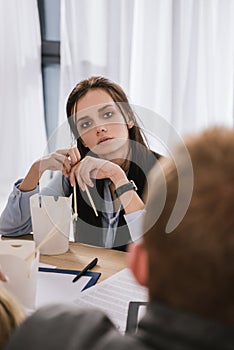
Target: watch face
point(134, 185)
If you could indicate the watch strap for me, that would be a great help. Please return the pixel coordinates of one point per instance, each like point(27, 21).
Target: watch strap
point(124, 188)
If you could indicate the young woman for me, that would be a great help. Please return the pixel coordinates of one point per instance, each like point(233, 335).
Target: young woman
point(111, 158)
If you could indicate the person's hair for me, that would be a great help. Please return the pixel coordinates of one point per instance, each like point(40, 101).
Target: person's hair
point(11, 315)
point(192, 267)
point(118, 96)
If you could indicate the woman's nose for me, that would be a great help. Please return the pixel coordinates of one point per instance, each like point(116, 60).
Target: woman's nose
point(101, 128)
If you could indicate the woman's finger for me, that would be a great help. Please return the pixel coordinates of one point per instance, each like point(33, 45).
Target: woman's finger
point(73, 155)
point(74, 175)
point(85, 169)
point(76, 155)
point(3, 277)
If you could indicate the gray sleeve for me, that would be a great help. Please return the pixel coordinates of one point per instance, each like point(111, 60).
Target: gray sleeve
point(57, 186)
point(15, 219)
point(65, 327)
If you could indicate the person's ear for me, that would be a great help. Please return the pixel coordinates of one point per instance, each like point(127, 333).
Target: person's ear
point(138, 263)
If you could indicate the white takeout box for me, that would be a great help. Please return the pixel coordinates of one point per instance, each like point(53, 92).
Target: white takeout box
point(48, 212)
point(22, 272)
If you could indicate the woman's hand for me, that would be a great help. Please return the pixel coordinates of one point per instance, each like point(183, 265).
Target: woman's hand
point(62, 160)
point(95, 168)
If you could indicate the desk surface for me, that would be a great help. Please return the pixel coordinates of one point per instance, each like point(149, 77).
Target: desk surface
point(79, 255)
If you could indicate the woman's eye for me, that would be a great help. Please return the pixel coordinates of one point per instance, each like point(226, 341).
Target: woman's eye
point(86, 124)
point(108, 115)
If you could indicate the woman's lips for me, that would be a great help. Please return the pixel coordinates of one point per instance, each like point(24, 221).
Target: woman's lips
point(104, 139)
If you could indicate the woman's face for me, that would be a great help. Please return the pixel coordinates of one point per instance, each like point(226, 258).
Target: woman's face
point(101, 125)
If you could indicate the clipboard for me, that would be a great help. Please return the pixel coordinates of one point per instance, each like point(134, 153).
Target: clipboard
point(94, 275)
point(134, 315)
point(56, 286)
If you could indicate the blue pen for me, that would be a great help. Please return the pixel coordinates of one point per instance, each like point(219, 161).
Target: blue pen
point(85, 269)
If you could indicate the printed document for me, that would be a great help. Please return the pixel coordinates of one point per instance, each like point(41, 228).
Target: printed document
point(113, 296)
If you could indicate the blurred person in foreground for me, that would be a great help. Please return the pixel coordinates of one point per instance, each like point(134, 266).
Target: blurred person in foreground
point(11, 314)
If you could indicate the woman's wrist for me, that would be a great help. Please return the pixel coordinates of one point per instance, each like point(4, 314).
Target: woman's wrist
point(130, 200)
point(118, 177)
point(31, 180)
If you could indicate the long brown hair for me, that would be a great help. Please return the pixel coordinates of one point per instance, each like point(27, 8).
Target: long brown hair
point(118, 96)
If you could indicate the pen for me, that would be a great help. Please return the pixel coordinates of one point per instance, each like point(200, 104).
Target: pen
point(85, 269)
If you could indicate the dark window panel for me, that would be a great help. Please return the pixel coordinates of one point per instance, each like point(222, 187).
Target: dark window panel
point(50, 52)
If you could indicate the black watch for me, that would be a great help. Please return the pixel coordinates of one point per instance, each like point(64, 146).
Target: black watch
point(124, 188)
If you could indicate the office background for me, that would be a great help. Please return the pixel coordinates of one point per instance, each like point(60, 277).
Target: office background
point(172, 57)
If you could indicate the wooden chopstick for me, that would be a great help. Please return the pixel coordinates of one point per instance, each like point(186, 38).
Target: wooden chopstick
point(91, 200)
point(75, 202)
point(47, 238)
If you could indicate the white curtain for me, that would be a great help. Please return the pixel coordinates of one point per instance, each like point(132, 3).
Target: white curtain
point(183, 56)
point(175, 57)
point(23, 137)
point(95, 40)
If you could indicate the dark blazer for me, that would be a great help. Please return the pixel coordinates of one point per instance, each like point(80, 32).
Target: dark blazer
point(60, 327)
point(88, 228)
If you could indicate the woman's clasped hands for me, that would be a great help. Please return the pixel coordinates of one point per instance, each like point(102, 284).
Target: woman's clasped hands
point(69, 162)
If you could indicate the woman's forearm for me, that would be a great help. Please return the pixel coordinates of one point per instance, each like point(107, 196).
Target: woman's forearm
point(130, 200)
point(32, 178)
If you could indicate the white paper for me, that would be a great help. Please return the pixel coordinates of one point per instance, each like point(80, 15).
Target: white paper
point(46, 265)
point(113, 296)
point(53, 287)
